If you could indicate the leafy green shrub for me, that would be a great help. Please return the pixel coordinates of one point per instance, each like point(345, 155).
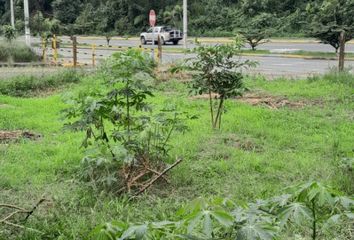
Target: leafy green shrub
point(17, 52)
point(218, 71)
point(128, 144)
point(24, 86)
point(310, 205)
point(9, 33)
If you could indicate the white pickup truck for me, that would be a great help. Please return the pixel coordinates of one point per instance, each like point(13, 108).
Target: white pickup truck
point(166, 34)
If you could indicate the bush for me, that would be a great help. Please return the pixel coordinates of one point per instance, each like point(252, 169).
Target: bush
point(24, 86)
point(15, 52)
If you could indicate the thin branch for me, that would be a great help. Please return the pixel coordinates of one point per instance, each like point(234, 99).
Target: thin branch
point(12, 206)
point(22, 227)
point(9, 216)
point(149, 184)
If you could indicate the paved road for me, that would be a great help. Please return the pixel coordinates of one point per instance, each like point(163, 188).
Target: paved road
point(278, 66)
point(269, 65)
point(305, 46)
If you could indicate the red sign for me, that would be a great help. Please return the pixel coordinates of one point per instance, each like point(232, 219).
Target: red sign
point(152, 18)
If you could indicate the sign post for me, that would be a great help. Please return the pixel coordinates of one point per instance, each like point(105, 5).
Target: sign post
point(152, 21)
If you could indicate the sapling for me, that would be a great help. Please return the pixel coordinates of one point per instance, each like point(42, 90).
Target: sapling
point(218, 73)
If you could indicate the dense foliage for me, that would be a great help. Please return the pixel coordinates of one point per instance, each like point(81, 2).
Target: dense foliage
point(129, 17)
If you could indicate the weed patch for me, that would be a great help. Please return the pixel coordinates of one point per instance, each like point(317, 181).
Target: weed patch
point(28, 86)
point(16, 52)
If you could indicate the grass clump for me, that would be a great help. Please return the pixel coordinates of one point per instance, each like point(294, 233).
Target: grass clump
point(17, 52)
point(26, 86)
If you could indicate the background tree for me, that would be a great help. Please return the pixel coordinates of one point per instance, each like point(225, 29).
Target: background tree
point(257, 29)
point(329, 18)
point(173, 16)
point(66, 11)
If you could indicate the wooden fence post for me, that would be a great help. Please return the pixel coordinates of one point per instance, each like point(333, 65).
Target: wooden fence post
point(44, 49)
point(55, 51)
point(93, 55)
point(74, 51)
point(159, 50)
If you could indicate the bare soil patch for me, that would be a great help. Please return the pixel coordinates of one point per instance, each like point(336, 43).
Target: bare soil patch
point(10, 136)
point(267, 100)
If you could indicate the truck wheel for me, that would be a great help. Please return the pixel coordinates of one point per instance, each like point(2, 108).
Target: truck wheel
point(143, 40)
point(175, 42)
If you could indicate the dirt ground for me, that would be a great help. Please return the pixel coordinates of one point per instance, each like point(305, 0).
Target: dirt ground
point(267, 100)
point(10, 136)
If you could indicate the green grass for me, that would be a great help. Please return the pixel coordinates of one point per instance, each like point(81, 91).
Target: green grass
point(287, 146)
point(16, 52)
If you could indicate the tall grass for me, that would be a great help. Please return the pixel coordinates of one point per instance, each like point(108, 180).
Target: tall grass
point(25, 86)
point(16, 52)
point(345, 77)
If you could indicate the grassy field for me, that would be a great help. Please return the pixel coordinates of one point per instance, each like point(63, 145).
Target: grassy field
point(260, 151)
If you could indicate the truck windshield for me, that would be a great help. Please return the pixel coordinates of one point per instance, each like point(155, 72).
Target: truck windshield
point(166, 29)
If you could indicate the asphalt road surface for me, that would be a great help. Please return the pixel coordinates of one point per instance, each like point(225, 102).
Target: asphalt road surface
point(268, 65)
point(271, 65)
point(305, 46)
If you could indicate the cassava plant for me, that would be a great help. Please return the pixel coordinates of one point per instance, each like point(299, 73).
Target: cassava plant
point(128, 142)
point(218, 73)
point(311, 203)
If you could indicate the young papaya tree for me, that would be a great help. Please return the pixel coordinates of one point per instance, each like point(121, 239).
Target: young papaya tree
point(218, 73)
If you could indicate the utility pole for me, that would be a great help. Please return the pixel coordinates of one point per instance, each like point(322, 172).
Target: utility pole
point(185, 23)
point(12, 13)
point(27, 29)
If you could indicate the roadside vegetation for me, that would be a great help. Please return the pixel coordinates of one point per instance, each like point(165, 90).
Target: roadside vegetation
point(11, 52)
point(31, 85)
point(133, 124)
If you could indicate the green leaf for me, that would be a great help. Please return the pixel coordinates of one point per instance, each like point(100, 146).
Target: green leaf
point(256, 231)
point(207, 224)
point(194, 220)
point(223, 218)
point(296, 212)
